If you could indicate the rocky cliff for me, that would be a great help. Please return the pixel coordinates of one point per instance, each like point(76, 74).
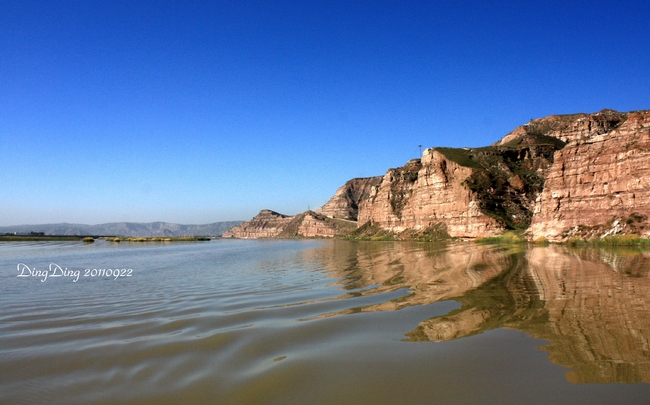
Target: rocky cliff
point(267, 224)
point(472, 191)
point(345, 202)
point(556, 177)
point(309, 224)
point(424, 193)
point(600, 182)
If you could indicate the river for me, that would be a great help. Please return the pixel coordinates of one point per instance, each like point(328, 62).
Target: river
point(322, 322)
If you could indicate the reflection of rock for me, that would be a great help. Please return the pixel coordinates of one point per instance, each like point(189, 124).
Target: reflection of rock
point(431, 274)
point(591, 305)
point(456, 326)
point(599, 323)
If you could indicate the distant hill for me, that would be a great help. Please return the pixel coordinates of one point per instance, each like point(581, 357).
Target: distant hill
point(125, 229)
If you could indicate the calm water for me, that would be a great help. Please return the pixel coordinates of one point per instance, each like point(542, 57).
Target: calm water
point(323, 322)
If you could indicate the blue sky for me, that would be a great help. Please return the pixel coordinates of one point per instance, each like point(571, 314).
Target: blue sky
point(210, 111)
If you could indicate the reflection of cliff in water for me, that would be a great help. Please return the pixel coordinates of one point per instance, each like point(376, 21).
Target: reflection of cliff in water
point(591, 304)
point(430, 273)
point(598, 319)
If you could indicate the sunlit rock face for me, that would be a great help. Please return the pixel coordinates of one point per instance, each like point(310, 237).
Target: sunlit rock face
point(601, 176)
point(559, 174)
point(591, 305)
point(310, 224)
point(345, 202)
point(270, 224)
point(266, 224)
point(424, 193)
point(563, 176)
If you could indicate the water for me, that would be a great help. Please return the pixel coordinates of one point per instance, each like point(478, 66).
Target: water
point(323, 322)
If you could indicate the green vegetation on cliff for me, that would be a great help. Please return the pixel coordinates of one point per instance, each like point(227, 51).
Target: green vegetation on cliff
point(507, 178)
point(370, 231)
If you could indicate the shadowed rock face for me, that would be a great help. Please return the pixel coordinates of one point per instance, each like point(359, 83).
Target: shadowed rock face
point(590, 304)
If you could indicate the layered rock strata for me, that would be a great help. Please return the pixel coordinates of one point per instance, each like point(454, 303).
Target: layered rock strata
point(266, 224)
point(600, 182)
point(309, 224)
point(585, 175)
point(424, 193)
point(345, 202)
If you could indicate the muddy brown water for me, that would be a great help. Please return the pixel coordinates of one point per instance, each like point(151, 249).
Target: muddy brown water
point(322, 322)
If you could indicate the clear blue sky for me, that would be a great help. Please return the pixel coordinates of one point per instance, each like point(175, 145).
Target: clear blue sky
point(196, 112)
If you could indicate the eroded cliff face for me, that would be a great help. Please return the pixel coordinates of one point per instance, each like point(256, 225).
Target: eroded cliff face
point(311, 224)
point(585, 175)
point(345, 202)
point(600, 182)
point(570, 128)
point(424, 193)
point(472, 192)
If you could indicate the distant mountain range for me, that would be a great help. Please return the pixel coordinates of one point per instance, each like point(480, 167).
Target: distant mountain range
point(125, 229)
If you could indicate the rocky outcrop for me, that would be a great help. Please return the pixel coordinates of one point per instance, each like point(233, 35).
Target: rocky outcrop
point(266, 224)
point(309, 224)
point(585, 175)
point(424, 193)
point(571, 128)
point(345, 202)
point(474, 192)
point(600, 182)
